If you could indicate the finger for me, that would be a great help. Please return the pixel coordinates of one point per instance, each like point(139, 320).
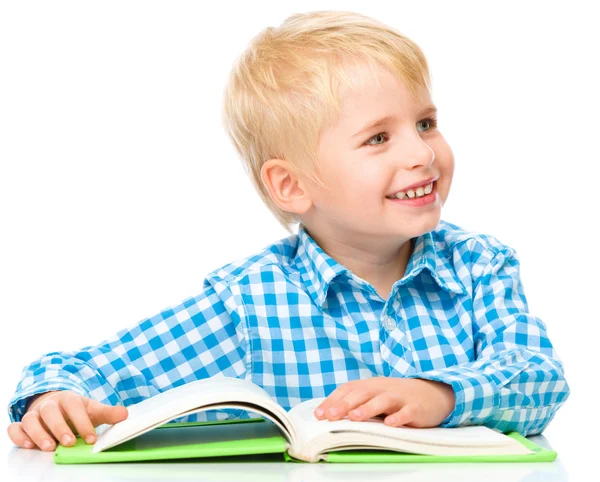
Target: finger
point(407, 415)
point(52, 394)
point(382, 403)
point(36, 431)
point(101, 413)
point(19, 437)
point(339, 393)
point(76, 411)
point(52, 415)
point(351, 400)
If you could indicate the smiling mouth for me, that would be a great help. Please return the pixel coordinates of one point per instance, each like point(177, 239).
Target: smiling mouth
point(420, 192)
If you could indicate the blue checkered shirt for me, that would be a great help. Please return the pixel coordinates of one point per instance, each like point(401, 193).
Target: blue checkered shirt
point(296, 322)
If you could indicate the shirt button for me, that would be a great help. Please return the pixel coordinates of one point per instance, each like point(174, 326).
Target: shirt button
point(389, 323)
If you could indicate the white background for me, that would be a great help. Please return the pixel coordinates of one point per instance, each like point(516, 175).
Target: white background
point(119, 189)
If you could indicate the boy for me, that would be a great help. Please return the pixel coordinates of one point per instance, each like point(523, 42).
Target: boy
point(376, 304)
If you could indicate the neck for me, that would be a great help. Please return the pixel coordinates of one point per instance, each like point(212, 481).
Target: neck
point(380, 264)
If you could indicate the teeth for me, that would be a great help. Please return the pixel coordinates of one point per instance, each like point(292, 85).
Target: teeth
point(412, 193)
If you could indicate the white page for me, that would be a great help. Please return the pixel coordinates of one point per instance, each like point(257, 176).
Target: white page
point(309, 427)
point(285, 427)
point(173, 403)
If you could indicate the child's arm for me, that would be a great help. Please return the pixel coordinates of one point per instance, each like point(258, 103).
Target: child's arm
point(199, 338)
point(516, 381)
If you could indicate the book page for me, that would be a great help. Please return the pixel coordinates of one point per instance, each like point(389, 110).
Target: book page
point(309, 427)
point(190, 397)
point(288, 431)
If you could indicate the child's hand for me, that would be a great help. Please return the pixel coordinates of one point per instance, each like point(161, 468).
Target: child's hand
point(57, 415)
point(406, 401)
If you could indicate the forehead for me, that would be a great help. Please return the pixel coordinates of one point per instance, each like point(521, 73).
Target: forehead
point(377, 93)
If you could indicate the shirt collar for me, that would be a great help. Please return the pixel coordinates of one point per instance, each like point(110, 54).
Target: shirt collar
point(318, 270)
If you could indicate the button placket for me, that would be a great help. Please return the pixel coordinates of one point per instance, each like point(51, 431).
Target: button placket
point(395, 351)
point(389, 322)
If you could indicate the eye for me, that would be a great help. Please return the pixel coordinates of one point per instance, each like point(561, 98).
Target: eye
point(382, 134)
point(430, 121)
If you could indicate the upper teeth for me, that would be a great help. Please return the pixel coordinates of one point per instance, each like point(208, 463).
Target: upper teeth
point(411, 193)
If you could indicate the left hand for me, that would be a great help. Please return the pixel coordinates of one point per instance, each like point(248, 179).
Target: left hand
point(414, 402)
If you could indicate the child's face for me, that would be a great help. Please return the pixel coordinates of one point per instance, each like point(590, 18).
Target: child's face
point(361, 168)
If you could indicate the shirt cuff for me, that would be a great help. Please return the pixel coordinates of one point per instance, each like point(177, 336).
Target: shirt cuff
point(16, 407)
point(475, 392)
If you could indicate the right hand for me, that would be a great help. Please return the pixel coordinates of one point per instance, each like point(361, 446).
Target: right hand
point(58, 414)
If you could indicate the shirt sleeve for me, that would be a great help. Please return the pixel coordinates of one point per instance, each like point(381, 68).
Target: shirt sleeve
point(516, 381)
point(201, 337)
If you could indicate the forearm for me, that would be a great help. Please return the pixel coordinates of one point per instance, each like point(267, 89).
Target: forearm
point(136, 364)
point(515, 390)
point(528, 401)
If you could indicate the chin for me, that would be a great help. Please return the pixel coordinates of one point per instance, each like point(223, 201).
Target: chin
point(424, 225)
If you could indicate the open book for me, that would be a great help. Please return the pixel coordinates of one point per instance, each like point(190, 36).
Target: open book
point(300, 434)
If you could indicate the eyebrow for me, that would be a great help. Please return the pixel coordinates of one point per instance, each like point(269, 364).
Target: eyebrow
point(431, 109)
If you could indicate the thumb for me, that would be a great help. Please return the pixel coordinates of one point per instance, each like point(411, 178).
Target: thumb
point(100, 413)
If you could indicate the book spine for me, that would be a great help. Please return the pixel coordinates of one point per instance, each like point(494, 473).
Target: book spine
point(302, 456)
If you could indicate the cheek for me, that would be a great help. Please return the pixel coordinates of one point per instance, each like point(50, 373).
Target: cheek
point(343, 192)
point(446, 169)
point(357, 186)
point(444, 165)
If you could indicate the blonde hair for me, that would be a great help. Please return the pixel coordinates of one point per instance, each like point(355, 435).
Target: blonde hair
point(287, 86)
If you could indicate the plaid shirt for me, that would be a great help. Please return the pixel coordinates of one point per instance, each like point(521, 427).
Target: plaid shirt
point(296, 322)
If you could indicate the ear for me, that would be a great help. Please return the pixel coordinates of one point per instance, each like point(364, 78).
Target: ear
point(285, 186)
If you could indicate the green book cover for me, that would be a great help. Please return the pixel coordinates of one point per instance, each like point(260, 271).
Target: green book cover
point(253, 436)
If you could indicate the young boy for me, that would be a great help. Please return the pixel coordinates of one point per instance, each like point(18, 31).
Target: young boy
point(376, 303)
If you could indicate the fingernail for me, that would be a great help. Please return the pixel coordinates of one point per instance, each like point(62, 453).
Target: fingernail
point(47, 445)
point(66, 439)
point(28, 445)
point(90, 439)
point(391, 420)
point(356, 413)
point(333, 412)
point(319, 411)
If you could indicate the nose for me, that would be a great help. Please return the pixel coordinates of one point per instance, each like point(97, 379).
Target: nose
point(416, 153)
